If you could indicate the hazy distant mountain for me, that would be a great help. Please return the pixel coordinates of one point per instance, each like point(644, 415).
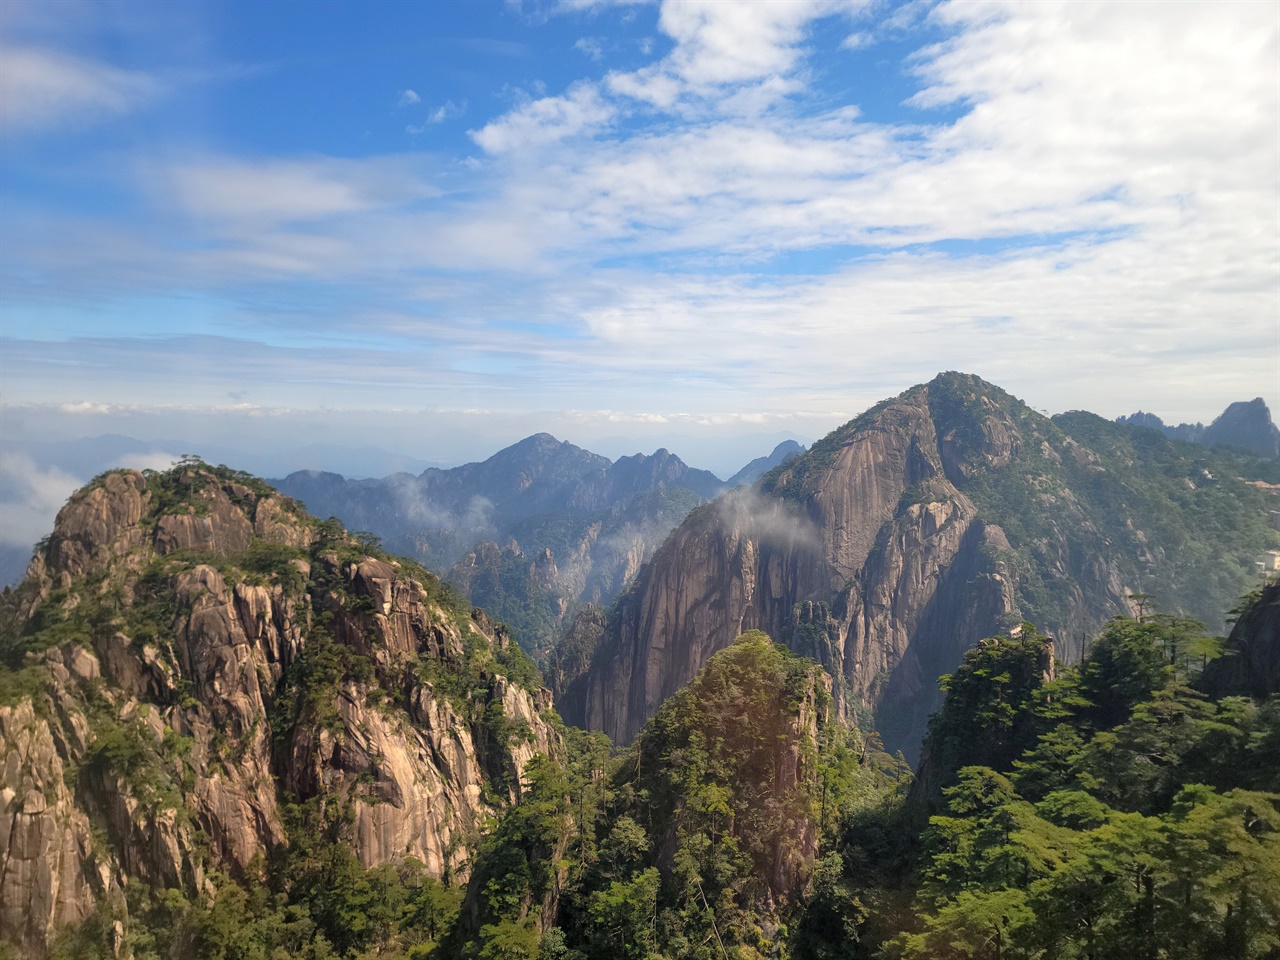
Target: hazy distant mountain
point(1245, 425)
point(439, 514)
point(758, 467)
point(531, 532)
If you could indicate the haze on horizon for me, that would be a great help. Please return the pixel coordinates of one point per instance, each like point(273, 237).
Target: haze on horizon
point(436, 228)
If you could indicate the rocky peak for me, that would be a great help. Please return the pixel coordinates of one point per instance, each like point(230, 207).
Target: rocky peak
point(202, 652)
point(936, 518)
point(1246, 426)
point(194, 507)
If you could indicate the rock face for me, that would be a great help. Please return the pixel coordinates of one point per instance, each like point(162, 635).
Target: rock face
point(49, 873)
point(200, 652)
point(831, 558)
point(945, 515)
point(1251, 666)
point(1246, 426)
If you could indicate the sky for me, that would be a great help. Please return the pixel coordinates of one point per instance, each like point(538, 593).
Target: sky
point(425, 230)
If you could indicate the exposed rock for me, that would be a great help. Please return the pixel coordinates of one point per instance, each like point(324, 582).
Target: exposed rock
point(1251, 662)
point(97, 526)
point(50, 874)
point(189, 766)
point(846, 570)
point(1245, 426)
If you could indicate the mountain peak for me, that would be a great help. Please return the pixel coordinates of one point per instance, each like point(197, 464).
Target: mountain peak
point(1245, 425)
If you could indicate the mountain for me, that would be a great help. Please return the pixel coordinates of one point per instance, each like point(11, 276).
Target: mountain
point(936, 518)
point(533, 532)
point(758, 467)
point(201, 683)
point(1187, 432)
point(230, 729)
point(1245, 426)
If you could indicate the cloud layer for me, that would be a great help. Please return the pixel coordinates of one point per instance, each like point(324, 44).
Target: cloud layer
point(1079, 201)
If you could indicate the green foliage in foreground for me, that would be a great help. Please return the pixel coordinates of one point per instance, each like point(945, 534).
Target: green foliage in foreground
point(1113, 812)
point(696, 842)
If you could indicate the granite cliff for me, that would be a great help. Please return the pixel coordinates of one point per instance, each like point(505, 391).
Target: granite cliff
point(1251, 666)
point(942, 516)
point(190, 653)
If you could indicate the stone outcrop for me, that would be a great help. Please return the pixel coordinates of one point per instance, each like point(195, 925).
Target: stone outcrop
point(50, 874)
point(192, 600)
point(1250, 665)
point(1245, 426)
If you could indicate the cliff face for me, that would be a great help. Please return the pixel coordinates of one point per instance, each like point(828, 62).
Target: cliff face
point(1251, 665)
point(194, 653)
point(935, 519)
point(1246, 426)
point(836, 555)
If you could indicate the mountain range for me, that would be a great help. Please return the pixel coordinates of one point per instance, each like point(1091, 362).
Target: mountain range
point(231, 728)
point(530, 534)
point(1245, 425)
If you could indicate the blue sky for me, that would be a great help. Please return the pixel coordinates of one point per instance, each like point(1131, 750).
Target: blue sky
point(436, 227)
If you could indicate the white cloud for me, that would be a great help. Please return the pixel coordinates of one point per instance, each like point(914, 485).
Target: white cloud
point(257, 192)
point(146, 461)
point(408, 98)
point(43, 89)
point(1130, 158)
point(592, 47)
point(723, 45)
point(30, 498)
point(446, 111)
point(544, 121)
